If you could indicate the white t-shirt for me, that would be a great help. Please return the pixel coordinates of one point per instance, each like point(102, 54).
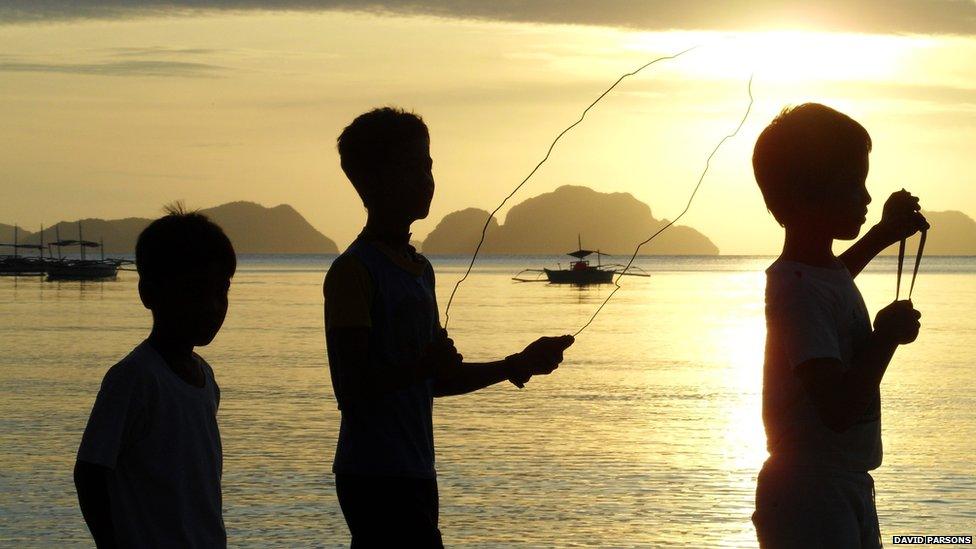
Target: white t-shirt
point(158, 434)
point(814, 312)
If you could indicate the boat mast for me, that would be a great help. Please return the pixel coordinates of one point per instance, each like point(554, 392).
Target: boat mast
point(101, 246)
point(57, 234)
point(81, 240)
point(15, 241)
point(579, 246)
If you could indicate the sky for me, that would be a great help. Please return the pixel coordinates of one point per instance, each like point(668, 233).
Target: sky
point(111, 109)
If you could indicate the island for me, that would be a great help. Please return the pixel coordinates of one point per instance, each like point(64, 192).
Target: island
point(613, 223)
point(253, 228)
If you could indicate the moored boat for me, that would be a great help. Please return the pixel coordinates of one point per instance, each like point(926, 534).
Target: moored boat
point(580, 272)
point(88, 269)
point(582, 276)
point(19, 265)
point(82, 269)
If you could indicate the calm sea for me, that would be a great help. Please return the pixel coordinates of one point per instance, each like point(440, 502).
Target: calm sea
point(648, 435)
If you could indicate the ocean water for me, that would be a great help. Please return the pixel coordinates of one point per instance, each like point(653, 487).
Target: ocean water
point(648, 435)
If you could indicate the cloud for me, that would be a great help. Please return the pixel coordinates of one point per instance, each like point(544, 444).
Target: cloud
point(154, 51)
point(872, 16)
point(117, 68)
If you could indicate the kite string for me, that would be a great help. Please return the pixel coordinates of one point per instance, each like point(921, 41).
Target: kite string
point(701, 178)
point(484, 229)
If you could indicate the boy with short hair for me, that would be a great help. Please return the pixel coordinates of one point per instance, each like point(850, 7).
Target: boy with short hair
point(388, 355)
point(149, 467)
point(824, 363)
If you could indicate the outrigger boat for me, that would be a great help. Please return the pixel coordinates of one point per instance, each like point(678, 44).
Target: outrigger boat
point(82, 269)
point(580, 272)
point(18, 265)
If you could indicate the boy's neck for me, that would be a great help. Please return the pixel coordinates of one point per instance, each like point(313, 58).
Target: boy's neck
point(392, 232)
point(177, 353)
point(804, 246)
point(172, 349)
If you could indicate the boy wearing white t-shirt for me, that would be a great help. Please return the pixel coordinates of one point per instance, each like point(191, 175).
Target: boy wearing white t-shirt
point(824, 363)
point(149, 466)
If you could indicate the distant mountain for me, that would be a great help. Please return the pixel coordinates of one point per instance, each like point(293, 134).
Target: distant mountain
point(7, 235)
point(253, 229)
point(459, 232)
point(23, 237)
point(952, 233)
point(614, 223)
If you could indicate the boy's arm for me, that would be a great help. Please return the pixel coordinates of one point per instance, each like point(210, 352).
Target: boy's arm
point(471, 377)
point(541, 357)
point(864, 250)
point(348, 292)
point(118, 417)
point(901, 218)
point(842, 396)
point(92, 488)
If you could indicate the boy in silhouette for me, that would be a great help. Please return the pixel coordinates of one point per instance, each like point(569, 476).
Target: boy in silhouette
point(149, 466)
point(824, 362)
point(388, 355)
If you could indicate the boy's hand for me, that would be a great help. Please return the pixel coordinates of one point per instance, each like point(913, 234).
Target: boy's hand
point(898, 322)
point(541, 357)
point(901, 217)
point(440, 357)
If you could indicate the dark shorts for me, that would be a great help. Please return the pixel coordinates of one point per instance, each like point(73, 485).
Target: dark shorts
point(800, 509)
point(389, 511)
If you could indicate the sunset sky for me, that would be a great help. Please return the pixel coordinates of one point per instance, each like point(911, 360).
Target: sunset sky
point(111, 109)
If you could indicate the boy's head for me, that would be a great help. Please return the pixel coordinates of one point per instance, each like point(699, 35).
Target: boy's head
point(385, 153)
point(185, 263)
point(811, 164)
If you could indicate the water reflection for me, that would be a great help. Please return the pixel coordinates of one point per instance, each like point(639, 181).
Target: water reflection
point(649, 435)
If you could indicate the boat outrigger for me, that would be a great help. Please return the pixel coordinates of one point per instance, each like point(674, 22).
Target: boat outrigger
point(580, 272)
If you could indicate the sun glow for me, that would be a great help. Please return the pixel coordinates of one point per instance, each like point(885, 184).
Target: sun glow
point(789, 56)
